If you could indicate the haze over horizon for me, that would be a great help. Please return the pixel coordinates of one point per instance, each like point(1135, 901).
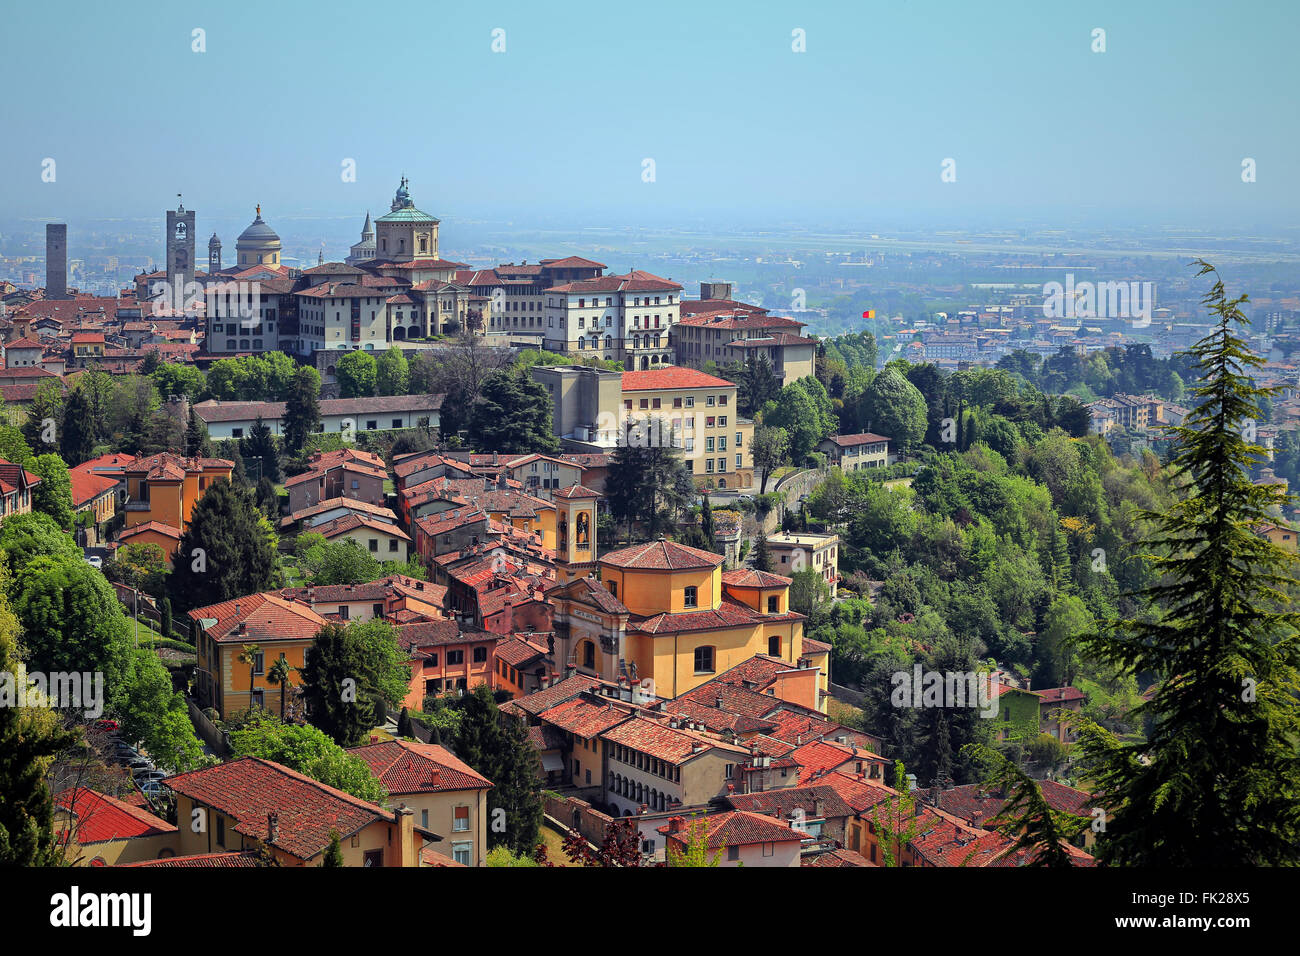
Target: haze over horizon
point(852, 132)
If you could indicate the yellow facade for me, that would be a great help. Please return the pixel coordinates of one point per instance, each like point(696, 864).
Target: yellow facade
point(221, 662)
point(654, 592)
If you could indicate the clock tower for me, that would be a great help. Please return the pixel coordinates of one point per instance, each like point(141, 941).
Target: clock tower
point(179, 264)
point(575, 532)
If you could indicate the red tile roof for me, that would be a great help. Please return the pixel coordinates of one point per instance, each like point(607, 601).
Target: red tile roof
point(737, 828)
point(405, 767)
point(862, 438)
point(753, 578)
point(584, 717)
point(662, 556)
point(87, 486)
point(254, 618)
point(671, 377)
point(203, 860)
point(250, 789)
point(100, 817)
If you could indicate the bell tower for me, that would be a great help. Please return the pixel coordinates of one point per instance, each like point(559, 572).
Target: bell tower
point(180, 248)
point(575, 532)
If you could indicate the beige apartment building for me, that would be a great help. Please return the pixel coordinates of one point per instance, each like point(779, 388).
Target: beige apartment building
point(622, 318)
point(803, 551)
point(596, 411)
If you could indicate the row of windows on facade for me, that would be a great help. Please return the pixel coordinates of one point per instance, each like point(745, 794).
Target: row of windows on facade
point(689, 401)
point(609, 322)
point(637, 342)
point(372, 424)
point(638, 301)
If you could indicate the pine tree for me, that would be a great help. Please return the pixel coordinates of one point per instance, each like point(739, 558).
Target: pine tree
point(165, 617)
point(259, 445)
point(76, 439)
point(513, 415)
point(197, 443)
point(302, 410)
point(337, 701)
point(501, 751)
point(1217, 782)
point(404, 724)
point(1026, 817)
point(224, 553)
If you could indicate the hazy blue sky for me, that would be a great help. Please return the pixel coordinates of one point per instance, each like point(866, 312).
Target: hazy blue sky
point(740, 127)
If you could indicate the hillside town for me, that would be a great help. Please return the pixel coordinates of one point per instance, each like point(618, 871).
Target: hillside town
point(399, 563)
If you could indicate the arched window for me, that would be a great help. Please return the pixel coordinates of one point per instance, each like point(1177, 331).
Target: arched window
point(582, 342)
point(589, 654)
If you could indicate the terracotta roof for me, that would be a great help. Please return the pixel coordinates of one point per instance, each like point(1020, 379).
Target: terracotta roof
point(662, 556)
point(574, 491)
point(202, 860)
point(862, 438)
point(836, 858)
point(753, 578)
point(634, 281)
point(329, 504)
point(738, 828)
point(87, 486)
point(249, 789)
point(728, 613)
point(404, 766)
point(548, 697)
point(584, 717)
point(254, 618)
point(671, 377)
point(350, 522)
point(101, 817)
point(156, 526)
point(1059, 695)
point(657, 739)
point(518, 651)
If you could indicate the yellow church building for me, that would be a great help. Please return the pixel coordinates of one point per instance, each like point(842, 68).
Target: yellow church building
point(663, 612)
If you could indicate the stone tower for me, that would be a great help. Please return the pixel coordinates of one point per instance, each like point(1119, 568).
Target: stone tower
point(179, 264)
point(575, 532)
point(214, 255)
point(56, 260)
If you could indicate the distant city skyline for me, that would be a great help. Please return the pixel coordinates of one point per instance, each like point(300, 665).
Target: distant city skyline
point(741, 128)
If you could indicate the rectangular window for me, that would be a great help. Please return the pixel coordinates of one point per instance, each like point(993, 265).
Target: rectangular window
point(480, 655)
point(461, 852)
point(460, 823)
point(455, 657)
point(692, 597)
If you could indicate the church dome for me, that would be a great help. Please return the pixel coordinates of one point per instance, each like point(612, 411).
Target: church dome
point(258, 244)
point(258, 231)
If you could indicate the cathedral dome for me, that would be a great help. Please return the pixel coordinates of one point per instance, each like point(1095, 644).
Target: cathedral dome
point(258, 244)
point(258, 231)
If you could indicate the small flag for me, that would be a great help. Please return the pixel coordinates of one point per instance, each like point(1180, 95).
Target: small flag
point(869, 314)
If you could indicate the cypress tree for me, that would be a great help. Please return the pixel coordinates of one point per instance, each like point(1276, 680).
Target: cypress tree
point(1218, 780)
point(334, 852)
point(706, 524)
point(762, 556)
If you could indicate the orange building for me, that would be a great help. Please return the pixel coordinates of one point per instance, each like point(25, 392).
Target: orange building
point(166, 487)
point(278, 628)
point(667, 613)
point(445, 656)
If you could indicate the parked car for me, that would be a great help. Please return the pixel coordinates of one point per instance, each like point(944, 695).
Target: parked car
point(152, 789)
point(95, 561)
point(145, 776)
point(111, 726)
